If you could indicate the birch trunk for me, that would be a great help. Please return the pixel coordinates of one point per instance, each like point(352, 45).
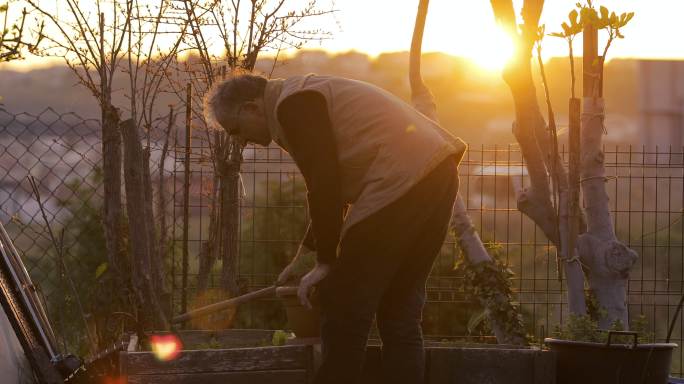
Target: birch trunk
point(608, 260)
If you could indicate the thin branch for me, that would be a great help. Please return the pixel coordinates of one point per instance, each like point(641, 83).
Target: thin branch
point(59, 248)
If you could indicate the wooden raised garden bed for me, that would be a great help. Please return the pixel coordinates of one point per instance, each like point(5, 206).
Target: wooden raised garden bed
point(237, 357)
point(452, 363)
point(245, 356)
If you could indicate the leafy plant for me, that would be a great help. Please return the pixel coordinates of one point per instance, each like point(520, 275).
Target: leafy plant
point(582, 16)
point(585, 328)
point(605, 19)
point(570, 30)
point(280, 337)
point(490, 284)
point(213, 343)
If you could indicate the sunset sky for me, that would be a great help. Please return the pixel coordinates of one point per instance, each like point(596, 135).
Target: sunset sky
point(467, 28)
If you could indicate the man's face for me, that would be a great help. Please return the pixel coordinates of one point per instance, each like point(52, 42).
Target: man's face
point(249, 124)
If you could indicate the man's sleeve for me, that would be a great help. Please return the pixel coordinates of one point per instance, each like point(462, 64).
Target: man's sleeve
point(308, 132)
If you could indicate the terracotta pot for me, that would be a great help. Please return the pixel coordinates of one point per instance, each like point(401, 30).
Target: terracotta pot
point(304, 322)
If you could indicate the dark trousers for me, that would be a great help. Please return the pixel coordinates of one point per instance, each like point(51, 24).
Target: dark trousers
point(381, 271)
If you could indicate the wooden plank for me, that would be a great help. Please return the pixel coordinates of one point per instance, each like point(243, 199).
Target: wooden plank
point(227, 338)
point(476, 366)
point(222, 360)
point(253, 377)
point(574, 161)
point(123, 363)
point(545, 368)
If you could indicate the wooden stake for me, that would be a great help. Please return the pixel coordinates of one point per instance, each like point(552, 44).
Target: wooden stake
point(573, 174)
point(590, 75)
point(186, 197)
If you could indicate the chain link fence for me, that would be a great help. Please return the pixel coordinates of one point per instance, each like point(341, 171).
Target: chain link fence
point(62, 151)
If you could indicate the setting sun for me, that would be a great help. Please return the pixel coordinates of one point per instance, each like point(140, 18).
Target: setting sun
point(493, 51)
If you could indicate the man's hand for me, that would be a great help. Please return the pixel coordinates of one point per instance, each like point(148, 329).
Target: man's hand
point(285, 275)
point(318, 273)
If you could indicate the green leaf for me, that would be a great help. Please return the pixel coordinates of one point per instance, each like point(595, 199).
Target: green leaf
point(576, 29)
point(279, 338)
point(566, 28)
point(613, 18)
point(628, 18)
point(588, 16)
point(102, 268)
point(3, 8)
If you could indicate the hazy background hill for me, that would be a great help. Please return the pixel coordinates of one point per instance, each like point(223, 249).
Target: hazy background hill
point(473, 103)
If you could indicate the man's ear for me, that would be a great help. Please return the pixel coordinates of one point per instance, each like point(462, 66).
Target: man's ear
point(250, 106)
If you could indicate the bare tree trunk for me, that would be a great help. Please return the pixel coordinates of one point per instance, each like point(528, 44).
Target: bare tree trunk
point(530, 132)
point(155, 262)
point(608, 260)
point(140, 243)
point(467, 236)
point(111, 171)
point(468, 239)
point(209, 248)
point(207, 253)
point(230, 219)
point(161, 190)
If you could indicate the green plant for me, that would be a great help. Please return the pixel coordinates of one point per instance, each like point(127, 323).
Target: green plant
point(640, 326)
point(604, 19)
point(594, 309)
point(213, 343)
point(585, 328)
point(570, 30)
point(490, 284)
point(586, 14)
point(280, 337)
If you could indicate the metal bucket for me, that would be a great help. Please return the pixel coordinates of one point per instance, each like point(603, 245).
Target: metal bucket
point(579, 362)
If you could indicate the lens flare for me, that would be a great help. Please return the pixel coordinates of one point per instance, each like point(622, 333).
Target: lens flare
point(166, 347)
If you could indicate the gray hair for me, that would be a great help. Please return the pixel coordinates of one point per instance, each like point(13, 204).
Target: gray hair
point(225, 96)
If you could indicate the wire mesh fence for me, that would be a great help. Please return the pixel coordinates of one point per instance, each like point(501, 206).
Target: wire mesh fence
point(62, 151)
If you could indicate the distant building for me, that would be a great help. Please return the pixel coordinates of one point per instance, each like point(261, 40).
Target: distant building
point(661, 102)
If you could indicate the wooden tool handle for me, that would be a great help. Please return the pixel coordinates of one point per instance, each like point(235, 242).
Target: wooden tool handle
point(233, 302)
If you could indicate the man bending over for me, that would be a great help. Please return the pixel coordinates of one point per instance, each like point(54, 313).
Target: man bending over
point(357, 145)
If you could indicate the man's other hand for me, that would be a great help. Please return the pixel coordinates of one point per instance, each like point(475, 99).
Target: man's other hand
point(285, 275)
point(318, 273)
